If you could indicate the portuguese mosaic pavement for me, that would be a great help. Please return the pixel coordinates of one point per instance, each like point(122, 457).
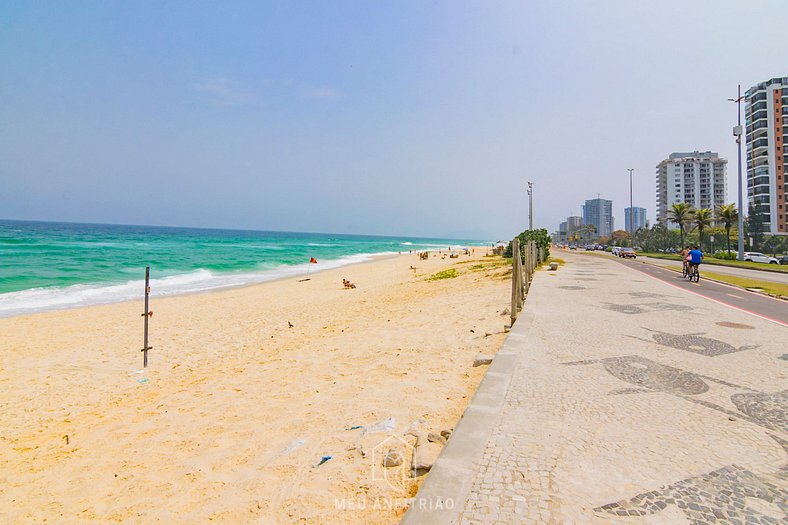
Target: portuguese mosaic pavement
point(636, 402)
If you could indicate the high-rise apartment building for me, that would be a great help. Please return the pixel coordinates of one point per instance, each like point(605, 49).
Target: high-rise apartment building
point(697, 178)
point(573, 223)
point(766, 120)
point(599, 212)
point(561, 235)
point(638, 218)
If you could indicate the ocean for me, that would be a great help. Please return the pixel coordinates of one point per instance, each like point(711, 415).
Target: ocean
point(50, 265)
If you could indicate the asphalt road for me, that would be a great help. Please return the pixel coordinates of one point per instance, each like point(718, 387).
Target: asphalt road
point(747, 273)
point(775, 310)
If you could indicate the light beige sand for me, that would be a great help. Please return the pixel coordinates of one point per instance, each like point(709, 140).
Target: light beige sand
point(230, 387)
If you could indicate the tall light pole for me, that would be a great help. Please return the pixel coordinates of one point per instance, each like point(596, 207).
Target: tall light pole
point(737, 132)
point(530, 205)
point(631, 210)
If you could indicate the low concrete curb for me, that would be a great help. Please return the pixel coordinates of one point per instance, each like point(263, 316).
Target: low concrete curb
point(442, 496)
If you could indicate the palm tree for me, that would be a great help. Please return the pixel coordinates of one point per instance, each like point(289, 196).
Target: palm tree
point(703, 218)
point(728, 215)
point(681, 213)
point(586, 231)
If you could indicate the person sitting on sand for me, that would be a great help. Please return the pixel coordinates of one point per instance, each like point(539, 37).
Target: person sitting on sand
point(348, 284)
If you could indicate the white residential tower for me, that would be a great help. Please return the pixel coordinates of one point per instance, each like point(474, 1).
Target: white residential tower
point(697, 178)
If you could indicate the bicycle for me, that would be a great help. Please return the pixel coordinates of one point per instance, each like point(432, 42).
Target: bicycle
point(693, 274)
point(685, 269)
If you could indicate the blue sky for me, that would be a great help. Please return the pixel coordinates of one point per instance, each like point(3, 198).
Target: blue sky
point(411, 118)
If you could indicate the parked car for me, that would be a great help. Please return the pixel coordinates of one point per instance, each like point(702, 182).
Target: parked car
point(759, 258)
point(783, 259)
point(629, 253)
point(615, 250)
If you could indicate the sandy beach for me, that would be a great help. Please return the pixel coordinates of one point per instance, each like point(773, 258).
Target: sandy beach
point(229, 422)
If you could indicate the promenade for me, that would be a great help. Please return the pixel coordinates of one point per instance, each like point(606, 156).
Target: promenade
point(618, 398)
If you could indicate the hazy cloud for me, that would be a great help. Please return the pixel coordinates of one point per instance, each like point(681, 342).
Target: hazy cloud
point(224, 91)
point(322, 92)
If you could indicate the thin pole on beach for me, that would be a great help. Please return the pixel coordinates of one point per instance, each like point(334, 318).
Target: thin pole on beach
point(147, 314)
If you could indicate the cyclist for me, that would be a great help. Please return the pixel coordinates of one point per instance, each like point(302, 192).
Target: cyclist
point(685, 265)
point(695, 257)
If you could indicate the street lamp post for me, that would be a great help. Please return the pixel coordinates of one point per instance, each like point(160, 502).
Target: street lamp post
point(530, 205)
point(737, 132)
point(631, 211)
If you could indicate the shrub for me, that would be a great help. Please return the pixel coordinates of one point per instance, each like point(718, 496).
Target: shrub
point(451, 273)
point(540, 236)
point(723, 254)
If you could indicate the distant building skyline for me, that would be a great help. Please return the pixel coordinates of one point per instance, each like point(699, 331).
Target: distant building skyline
point(766, 120)
point(639, 218)
point(599, 213)
point(567, 228)
point(697, 178)
point(573, 223)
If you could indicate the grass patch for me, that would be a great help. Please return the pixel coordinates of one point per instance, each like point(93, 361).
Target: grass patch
point(451, 273)
point(498, 262)
point(766, 286)
point(556, 259)
point(743, 282)
point(465, 261)
point(722, 262)
point(492, 265)
point(501, 261)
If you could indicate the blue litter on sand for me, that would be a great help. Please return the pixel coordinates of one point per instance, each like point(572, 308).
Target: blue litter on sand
point(143, 380)
point(356, 427)
point(324, 459)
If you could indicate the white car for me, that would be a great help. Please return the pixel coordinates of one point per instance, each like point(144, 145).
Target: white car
point(760, 258)
point(615, 250)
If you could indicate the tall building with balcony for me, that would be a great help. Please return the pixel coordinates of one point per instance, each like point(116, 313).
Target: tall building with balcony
point(638, 218)
point(766, 132)
point(697, 178)
point(599, 212)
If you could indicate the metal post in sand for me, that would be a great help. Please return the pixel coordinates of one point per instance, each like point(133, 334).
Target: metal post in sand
point(147, 314)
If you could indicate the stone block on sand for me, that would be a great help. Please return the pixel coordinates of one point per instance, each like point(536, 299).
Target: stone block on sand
point(480, 360)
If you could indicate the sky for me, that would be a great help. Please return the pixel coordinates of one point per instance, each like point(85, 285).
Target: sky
point(420, 118)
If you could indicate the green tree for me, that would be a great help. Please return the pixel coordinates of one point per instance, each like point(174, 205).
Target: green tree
point(702, 219)
point(715, 234)
point(682, 214)
point(620, 238)
point(728, 216)
point(773, 244)
point(657, 238)
point(540, 236)
point(755, 224)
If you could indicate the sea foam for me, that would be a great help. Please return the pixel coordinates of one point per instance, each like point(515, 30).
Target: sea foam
point(58, 298)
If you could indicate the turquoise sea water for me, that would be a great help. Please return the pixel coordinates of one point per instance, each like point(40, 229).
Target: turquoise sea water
point(46, 265)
